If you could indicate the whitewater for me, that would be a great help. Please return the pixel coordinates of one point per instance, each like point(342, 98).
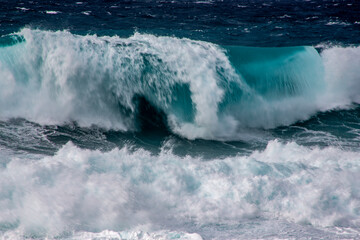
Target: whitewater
point(285, 186)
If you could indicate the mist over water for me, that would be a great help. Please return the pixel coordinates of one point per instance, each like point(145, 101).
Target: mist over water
point(179, 120)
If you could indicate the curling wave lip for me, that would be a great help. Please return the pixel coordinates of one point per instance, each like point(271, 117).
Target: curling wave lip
point(201, 89)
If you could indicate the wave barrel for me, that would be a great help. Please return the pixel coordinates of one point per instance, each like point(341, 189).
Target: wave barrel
point(278, 72)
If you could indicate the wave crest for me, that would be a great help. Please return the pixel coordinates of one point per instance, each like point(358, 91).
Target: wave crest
point(203, 90)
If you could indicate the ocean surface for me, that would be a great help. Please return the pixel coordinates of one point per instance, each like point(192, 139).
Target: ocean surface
point(180, 119)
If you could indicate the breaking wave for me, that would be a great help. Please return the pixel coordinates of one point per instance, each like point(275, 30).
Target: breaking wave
point(79, 190)
point(195, 89)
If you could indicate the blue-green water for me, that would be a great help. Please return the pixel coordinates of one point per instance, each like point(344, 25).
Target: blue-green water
point(179, 120)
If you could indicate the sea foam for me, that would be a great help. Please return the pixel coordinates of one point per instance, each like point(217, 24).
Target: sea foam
point(121, 190)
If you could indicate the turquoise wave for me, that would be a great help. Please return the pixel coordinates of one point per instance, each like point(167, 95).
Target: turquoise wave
point(196, 89)
point(278, 72)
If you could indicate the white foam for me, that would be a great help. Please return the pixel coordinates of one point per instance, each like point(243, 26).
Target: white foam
point(342, 77)
point(83, 190)
point(137, 235)
point(337, 23)
point(23, 9)
point(86, 13)
point(52, 12)
point(111, 235)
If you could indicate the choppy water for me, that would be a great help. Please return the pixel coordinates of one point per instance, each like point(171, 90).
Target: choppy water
point(179, 120)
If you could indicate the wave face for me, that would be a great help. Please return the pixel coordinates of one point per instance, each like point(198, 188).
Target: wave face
point(199, 89)
point(284, 189)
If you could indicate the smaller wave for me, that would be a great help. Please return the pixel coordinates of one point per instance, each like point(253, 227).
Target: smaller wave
point(23, 9)
point(338, 23)
point(52, 12)
point(123, 190)
point(87, 13)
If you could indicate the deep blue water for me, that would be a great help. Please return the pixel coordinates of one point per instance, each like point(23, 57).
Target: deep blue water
point(180, 119)
point(248, 23)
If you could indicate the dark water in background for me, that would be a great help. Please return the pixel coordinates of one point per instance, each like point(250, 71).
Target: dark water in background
point(140, 119)
point(248, 23)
